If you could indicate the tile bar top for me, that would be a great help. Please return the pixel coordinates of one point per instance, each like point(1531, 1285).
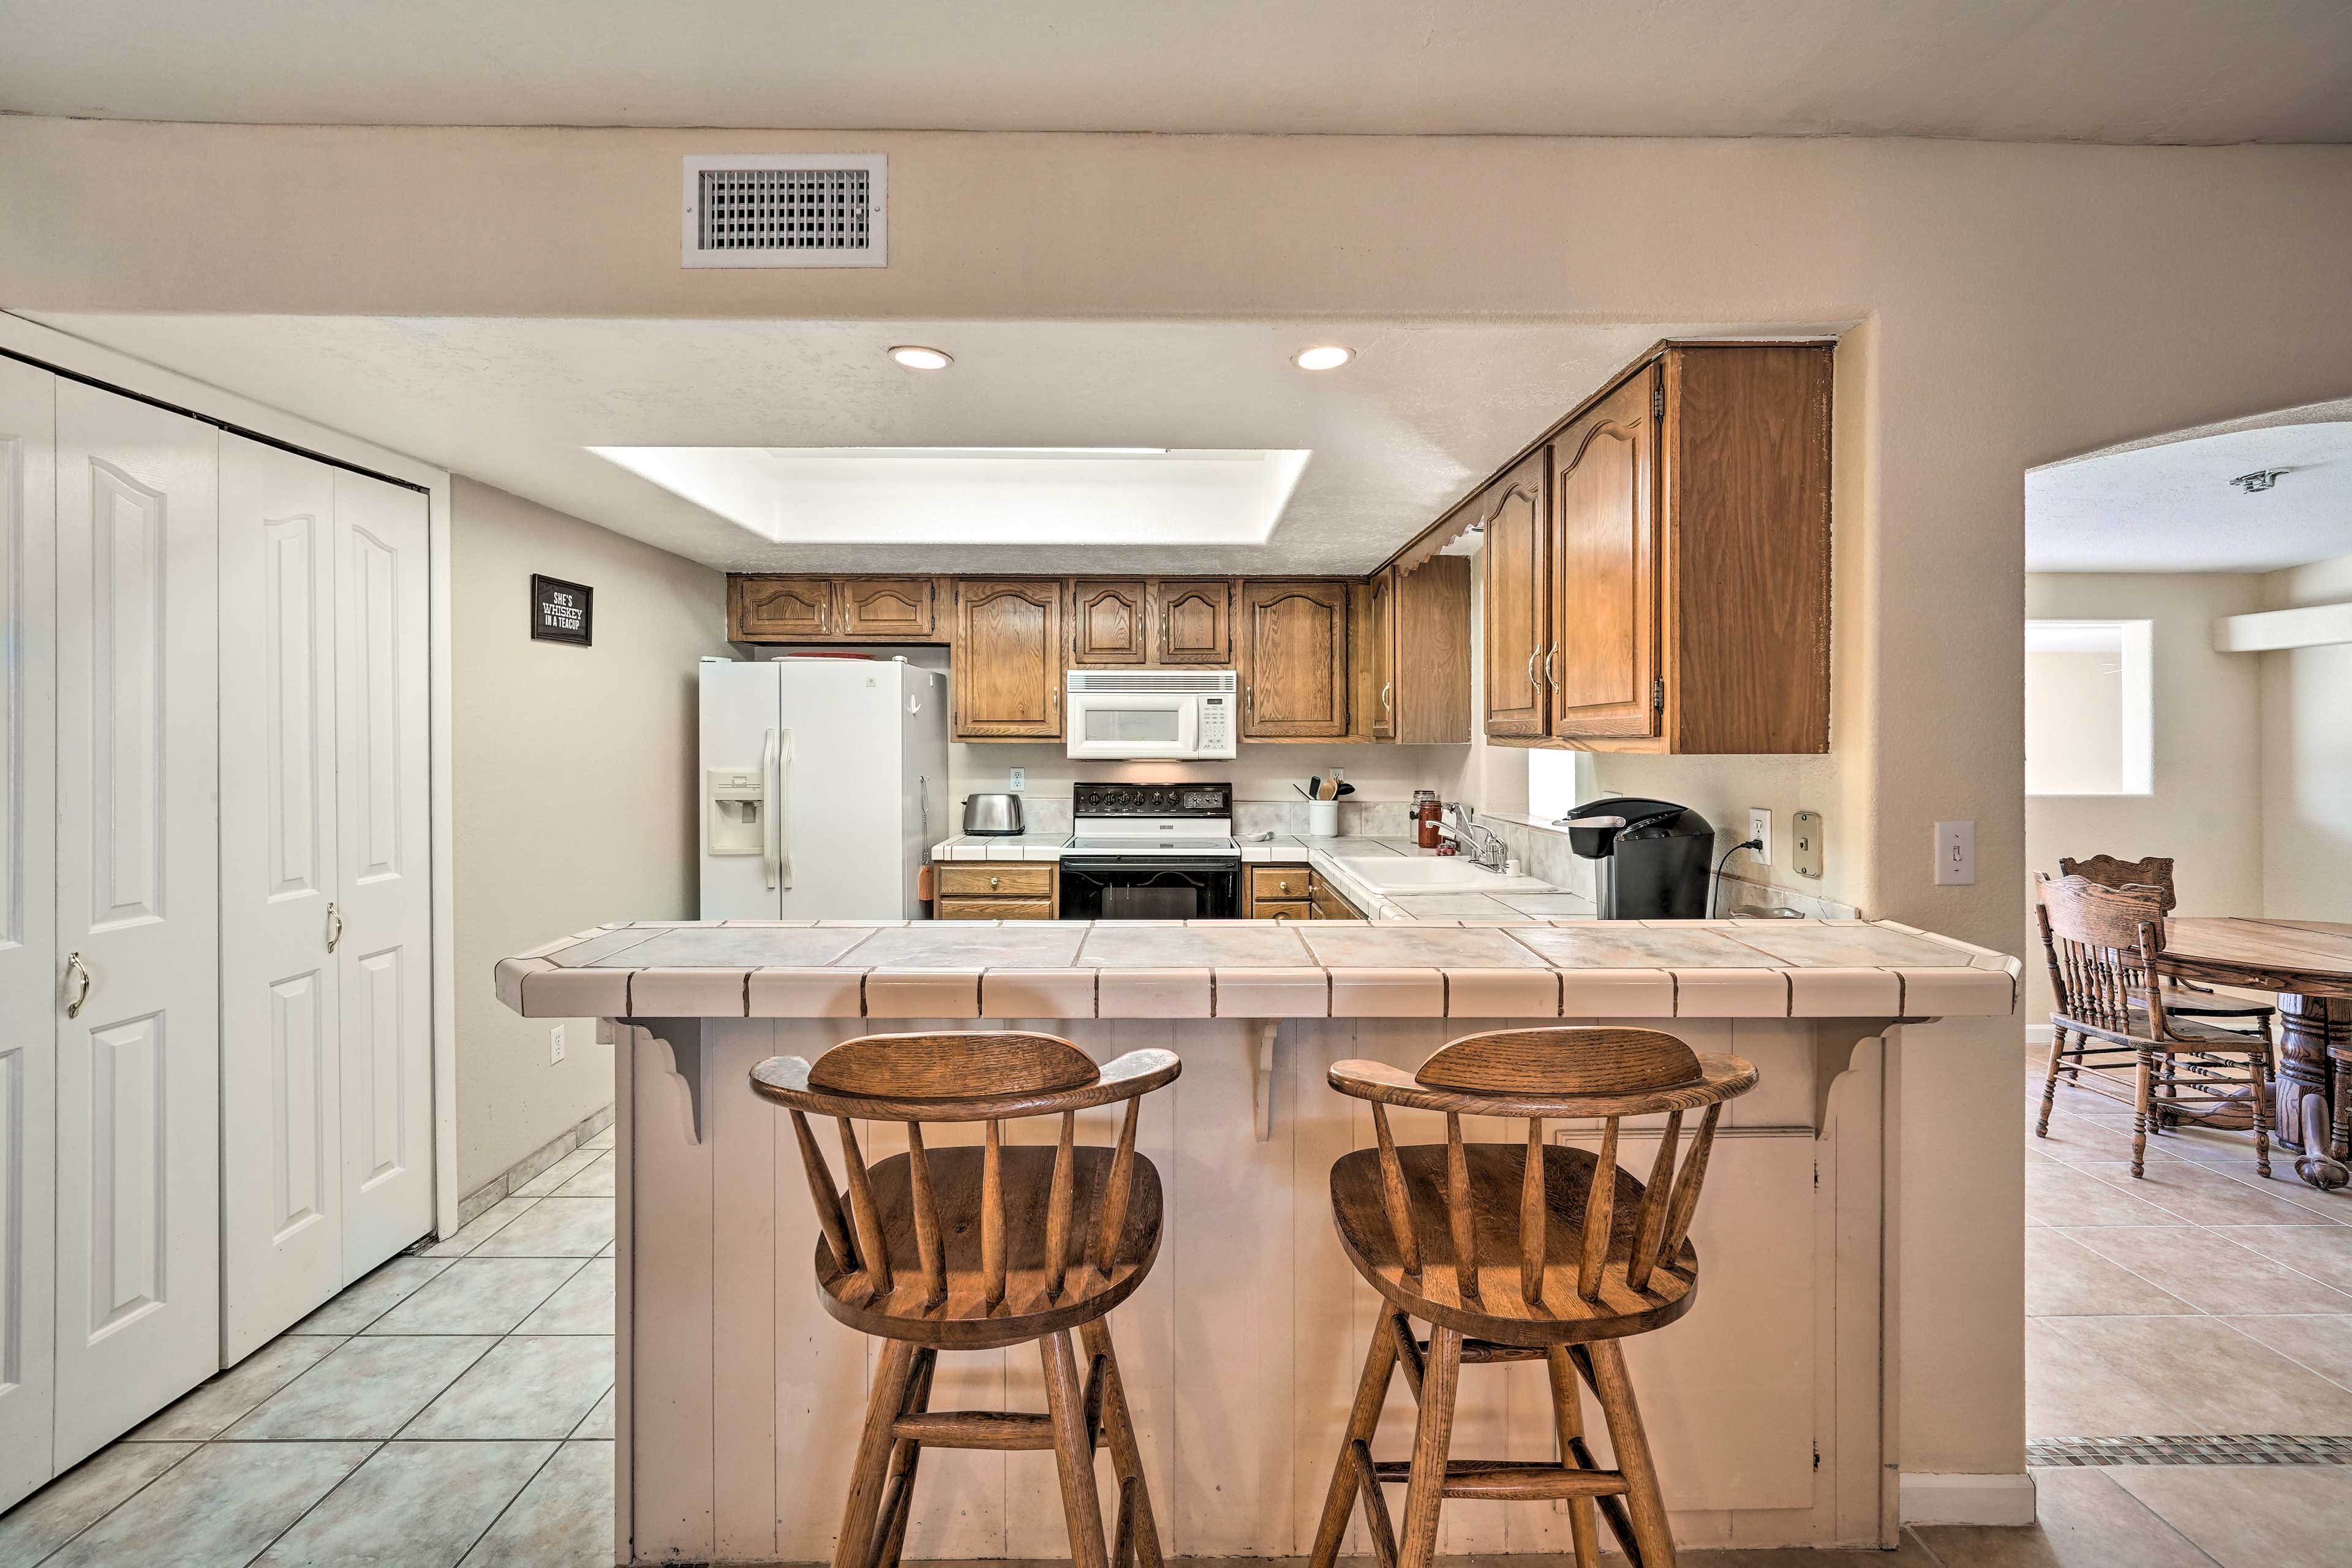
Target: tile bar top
point(1401, 968)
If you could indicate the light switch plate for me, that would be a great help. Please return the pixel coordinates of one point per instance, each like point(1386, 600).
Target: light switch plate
point(1019, 780)
point(1805, 845)
point(1955, 854)
point(1760, 828)
point(555, 1045)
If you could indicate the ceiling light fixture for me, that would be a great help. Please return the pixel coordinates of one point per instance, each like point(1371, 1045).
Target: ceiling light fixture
point(1330, 356)
point(2260, 479)
point(915, 357)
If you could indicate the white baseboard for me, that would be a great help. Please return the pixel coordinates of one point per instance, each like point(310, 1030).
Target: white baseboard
point(1967, 1500)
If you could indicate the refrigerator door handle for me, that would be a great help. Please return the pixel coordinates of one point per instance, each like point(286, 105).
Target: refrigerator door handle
point(784, 872)
point(769, 848)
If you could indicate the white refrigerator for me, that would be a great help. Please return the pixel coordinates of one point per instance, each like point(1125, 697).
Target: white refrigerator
point(825, 784)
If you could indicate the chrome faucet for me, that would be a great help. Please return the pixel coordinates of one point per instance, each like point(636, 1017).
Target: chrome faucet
point(1487, 850)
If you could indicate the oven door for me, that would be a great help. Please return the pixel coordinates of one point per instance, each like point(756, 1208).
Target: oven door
point(1149, 888)
point(1134, 725)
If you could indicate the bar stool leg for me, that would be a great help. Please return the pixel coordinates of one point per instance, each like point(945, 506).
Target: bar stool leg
point(899, 1497)
point(1568, 1417)
point(1074, 1451)
point(1432, 1440)
point(870, 1474)
point(1605, 1364)
point(1125, 1454)
point(1363, 1420)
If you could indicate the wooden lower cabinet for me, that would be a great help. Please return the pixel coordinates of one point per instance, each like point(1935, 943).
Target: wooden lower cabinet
point(997, 890)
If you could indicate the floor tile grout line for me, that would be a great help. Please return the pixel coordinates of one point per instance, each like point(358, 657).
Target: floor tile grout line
point(200, 1445)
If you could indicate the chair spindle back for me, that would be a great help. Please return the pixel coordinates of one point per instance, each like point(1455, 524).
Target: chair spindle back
point(991, 1078)
point(1546, 1075)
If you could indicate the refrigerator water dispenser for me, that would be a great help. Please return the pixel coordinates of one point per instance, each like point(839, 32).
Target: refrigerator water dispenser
point(734, 796)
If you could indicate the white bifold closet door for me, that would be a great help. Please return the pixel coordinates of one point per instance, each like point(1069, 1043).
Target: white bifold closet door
point(29, 954)
point(326, 1057)
point(137, 916)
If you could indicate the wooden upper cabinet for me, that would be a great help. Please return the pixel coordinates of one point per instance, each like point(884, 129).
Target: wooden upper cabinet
point(1294, 664)
point(1005, 661)
point(1602, 661)
point(1517, 611)
point(1691, 556)
point(1110, 621)
point(890, 609)
point(1195, 620)
point(781, 609)
point(1380, 630)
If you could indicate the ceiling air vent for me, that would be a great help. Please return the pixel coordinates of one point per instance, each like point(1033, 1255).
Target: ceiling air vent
point(787, 209)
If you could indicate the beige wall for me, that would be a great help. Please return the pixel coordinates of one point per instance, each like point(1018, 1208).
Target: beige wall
point(2307, 755)
point(574, 775)
point(2017, 304)
point(2207, 811)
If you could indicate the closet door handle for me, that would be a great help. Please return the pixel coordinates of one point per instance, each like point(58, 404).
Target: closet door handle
point(77, 969)
point(334, 927)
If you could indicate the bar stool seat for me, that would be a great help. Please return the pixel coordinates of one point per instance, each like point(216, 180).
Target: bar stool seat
point(1498, 1310)
point(1038, 1297)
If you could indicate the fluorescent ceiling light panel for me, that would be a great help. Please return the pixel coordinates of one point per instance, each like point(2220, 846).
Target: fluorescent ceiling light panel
point(992, 495)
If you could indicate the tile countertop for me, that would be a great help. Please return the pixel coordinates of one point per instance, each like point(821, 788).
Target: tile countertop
point(1403, 968)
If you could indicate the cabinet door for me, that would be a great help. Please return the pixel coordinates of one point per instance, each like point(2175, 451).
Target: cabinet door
point(137, 1123)
point(889, 608)
point(781, 609)
point(1294, 660)
point(1109, 622)
point(383, 880)
point(1195, 621)
point(1517, 596)
point(1007, 660)
point(1605, 569)
point(1380, 627)
point(281, 1106)
point(29, 1005)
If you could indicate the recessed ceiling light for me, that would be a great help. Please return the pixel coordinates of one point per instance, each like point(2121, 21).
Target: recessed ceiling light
point(914, 356)
point(1330, 356)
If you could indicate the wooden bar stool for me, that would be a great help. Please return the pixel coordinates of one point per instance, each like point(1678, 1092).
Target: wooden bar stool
point(1515, 1252)
point(966, 1249)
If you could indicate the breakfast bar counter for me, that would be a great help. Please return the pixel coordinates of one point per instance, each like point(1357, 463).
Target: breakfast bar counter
point(1771, 1406)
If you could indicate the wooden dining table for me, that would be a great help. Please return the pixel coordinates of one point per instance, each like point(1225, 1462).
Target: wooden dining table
point(2308, 964)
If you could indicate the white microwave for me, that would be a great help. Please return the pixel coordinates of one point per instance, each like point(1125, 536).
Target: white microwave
point(1151, 715)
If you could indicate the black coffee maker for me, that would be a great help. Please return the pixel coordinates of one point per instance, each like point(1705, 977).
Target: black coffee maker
point(1653, 856)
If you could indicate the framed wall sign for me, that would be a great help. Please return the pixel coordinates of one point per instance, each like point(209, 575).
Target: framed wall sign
point(562, 611)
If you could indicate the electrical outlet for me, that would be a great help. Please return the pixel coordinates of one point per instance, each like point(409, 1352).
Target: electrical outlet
point(1020, 780)
point(1955, 854)
point(555, 1045)
point(1760, 828)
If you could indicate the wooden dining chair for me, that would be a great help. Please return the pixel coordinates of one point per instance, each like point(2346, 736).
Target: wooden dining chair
point(1518, 1252)
point(980, 1248)
point(2183, 997)
point(2104, 944)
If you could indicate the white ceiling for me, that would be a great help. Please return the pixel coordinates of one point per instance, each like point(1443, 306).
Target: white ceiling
point(2167, 505)
point(1421, 413)
point(2092, 70)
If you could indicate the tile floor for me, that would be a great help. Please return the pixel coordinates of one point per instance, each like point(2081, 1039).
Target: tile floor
point(455, 1407)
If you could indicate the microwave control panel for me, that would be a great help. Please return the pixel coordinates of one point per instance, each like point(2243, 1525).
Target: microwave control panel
point(1217, 727)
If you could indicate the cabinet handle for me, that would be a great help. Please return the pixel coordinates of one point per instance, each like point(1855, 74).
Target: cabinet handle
point(334, 927)
point(77, 969)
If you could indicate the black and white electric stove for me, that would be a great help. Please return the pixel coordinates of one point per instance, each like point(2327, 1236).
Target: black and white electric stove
point(1144, 851)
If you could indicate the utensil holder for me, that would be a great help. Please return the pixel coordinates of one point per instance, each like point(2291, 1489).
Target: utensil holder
point(1322, 819)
